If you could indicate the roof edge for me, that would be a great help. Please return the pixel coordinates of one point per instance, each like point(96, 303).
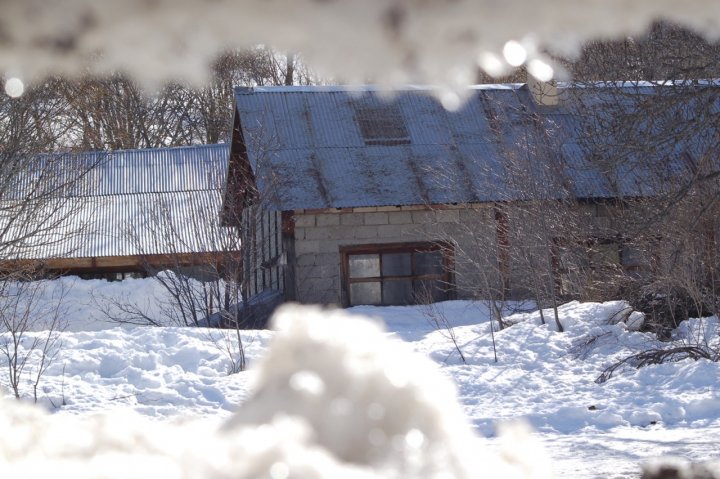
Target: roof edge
point(365, 88)
point(361, 88)
point(135, 150)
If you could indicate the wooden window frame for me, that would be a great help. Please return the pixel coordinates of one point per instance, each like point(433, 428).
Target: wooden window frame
point(445, 278)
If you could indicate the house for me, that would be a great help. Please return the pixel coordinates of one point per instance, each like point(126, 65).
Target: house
point(120, 213)
point(366, 196)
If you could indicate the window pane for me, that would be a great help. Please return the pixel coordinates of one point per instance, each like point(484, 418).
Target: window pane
point(429, 290)
point(429, 262)
point(365, 293)
point(397, 292)
point(396, 264)
point(364, 265)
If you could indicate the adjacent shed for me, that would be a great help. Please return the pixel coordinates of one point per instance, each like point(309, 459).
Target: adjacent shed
point(122, 213)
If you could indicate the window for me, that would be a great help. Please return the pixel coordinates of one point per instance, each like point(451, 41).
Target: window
point(382, 124)
point(396, 274)
point(592, 263)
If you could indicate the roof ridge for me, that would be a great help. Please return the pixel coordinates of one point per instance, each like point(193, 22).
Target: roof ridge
point(133, 150)
point(364, 88)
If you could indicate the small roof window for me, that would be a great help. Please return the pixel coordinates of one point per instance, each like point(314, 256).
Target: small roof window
point(382, 124)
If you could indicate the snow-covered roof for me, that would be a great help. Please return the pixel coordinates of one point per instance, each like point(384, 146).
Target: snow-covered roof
point(132, 202)
point(335, 147)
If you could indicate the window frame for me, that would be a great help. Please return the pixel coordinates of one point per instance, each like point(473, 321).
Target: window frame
point(445, 278)
point(381, 124)
point(592, 255)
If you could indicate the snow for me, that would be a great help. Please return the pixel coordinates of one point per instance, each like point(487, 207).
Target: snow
point(430, 41)
point(363, 392)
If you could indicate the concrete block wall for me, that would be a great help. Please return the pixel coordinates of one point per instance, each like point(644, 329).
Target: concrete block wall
point(473, 231)
point(319, 236)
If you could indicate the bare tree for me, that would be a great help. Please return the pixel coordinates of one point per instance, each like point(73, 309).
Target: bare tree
point(40, 198)
point(30, 329)
point(112, 113)
point(197, 263)
point(665, 51)
point(512, 248)
point(439, 320)
point(655, 124)
point(211, 106)
point(36, 191)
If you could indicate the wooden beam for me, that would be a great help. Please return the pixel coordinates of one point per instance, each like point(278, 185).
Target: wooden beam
point(122, 263)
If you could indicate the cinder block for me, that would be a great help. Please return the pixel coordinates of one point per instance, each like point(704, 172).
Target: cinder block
point(328, 246)
point(365, 232)
point(312, 295)
point(398, 232)
point(313, 273)
point(330, 271)
point(400, 218)
point(474, 215)
point(317, 233)
point(447, 216)
point(316, 287)
point(422, 217)
point(306, 259)
point(351, 219)
point(328, 259)
point(327, 220)
point(304, 221)
point(340, 232)
point(305, 247)
point(376, 218)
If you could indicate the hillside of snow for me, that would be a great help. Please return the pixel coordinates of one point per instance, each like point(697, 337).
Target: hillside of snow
point(364, 392)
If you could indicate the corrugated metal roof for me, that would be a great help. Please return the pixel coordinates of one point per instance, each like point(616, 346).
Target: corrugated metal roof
point(308, 151)
point(134, 202)
point(157, 170)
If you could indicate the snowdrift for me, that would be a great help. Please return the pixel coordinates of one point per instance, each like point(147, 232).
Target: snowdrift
point(333, 397)
point(332, 393)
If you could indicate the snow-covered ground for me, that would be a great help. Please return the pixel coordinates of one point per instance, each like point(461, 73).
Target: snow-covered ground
point(528, 371)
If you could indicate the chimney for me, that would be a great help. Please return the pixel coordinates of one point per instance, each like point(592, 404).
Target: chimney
point(544, 93)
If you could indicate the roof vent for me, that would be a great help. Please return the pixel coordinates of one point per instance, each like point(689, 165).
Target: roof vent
point(382, 124)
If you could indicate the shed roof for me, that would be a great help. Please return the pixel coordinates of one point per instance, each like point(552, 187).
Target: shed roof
point(129, 203)
point(332, 147)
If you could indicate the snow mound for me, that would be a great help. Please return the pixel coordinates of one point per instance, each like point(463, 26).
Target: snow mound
point(396, 411)
point(334, 397)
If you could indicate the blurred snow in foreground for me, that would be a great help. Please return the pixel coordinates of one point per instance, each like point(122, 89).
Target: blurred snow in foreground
point(430, 41)
point(334, 397)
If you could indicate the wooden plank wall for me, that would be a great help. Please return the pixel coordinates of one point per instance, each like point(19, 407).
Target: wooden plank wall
point(263, 252)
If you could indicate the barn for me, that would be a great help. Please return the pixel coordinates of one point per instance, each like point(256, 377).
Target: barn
point(118, 214)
